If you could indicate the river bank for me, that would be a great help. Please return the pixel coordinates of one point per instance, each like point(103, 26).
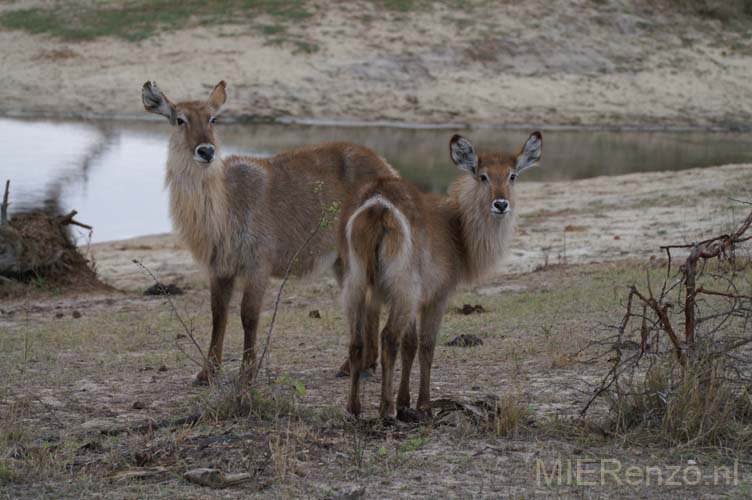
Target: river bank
point(568, 64)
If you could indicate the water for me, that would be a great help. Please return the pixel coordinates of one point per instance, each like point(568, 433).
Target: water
point(112, 172)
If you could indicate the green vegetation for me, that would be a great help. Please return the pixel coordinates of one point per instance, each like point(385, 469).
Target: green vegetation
point(136, 20)
point(139, 19)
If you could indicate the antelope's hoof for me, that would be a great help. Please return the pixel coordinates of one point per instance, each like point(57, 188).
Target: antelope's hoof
point(354, 410)
point(407, 414)
point(342, 373)
point(388, 421)
point(201, 378)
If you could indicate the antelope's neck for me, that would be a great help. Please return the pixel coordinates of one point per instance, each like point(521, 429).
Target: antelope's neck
point(485, 237)
point(198, 204)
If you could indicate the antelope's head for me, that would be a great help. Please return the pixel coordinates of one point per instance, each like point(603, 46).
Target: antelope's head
point(193, 120)
point(495, 173)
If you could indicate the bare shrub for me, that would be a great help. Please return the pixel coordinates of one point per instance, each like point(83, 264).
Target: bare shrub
point(680, 360)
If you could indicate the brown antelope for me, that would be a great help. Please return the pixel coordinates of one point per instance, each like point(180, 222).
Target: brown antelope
point(409, 250)
point(244, 217)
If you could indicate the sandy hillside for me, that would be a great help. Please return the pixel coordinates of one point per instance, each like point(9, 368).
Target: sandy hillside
point(585, 62)
point(576, 222)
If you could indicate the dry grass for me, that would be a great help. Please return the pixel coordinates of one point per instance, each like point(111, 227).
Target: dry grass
point(697, 407)
point(512, 416)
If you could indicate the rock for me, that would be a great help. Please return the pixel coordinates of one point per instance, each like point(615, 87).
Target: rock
point(465, 340)
point(76, 314)
point(470, 309)
point(162, 289)
point(354, 494)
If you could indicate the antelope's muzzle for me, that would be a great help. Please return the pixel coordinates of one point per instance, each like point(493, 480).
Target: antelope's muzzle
point(500, 207)
point(204, 153)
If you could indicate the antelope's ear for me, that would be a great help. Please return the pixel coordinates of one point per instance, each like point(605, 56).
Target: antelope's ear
point(530, 153)
point(463, 154)
point(156, 102)
point(218, 96)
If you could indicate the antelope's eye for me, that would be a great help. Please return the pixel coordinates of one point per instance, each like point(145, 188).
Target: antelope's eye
point(180, 121)
point(483, 178)
point(512, 177)
point(213, 120)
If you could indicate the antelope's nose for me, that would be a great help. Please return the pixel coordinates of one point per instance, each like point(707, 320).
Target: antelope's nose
point(204, 152)
point(500, 206)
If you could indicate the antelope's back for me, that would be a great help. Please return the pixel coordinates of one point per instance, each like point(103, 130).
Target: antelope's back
point(310, 185)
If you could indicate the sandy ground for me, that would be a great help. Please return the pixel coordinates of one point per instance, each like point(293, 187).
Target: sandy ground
point(575, 63)
point(576, 222)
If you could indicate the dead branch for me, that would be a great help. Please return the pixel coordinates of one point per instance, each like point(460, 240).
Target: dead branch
point(325, 220)
point(723, 294)
point(67, 219)
point(279, 297)
point(740, 201)
point(661, 312)
point(188, 331)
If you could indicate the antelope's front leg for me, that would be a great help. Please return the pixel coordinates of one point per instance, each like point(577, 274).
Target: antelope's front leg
point(221, 293)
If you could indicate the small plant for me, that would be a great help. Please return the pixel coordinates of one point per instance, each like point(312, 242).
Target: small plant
point(511, 416)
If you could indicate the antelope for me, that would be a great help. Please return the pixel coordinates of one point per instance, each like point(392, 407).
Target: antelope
point(243, 218)
point(409, 250)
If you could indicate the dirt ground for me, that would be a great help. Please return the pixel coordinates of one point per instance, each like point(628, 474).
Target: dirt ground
point(571, 63)
point(94, 384)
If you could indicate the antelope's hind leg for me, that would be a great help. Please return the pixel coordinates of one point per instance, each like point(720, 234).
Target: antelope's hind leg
point(250, 311)
point(355, 312)
point(430, 321)
point(373, 313)
point(408, 349)
point(400, 320)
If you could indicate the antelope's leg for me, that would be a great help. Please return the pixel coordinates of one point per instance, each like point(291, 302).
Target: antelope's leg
point(430, 321)
point(400, 319)
point(221, 293)
point(408, 348)
point(355, 311)
point(250, 311)
point(373, 311)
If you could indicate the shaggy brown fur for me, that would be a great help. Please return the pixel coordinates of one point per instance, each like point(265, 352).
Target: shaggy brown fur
point(245, 217)
point(410, 249)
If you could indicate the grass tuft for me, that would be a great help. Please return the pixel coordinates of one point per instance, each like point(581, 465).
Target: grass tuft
point(696, 408)
point(512, 416)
